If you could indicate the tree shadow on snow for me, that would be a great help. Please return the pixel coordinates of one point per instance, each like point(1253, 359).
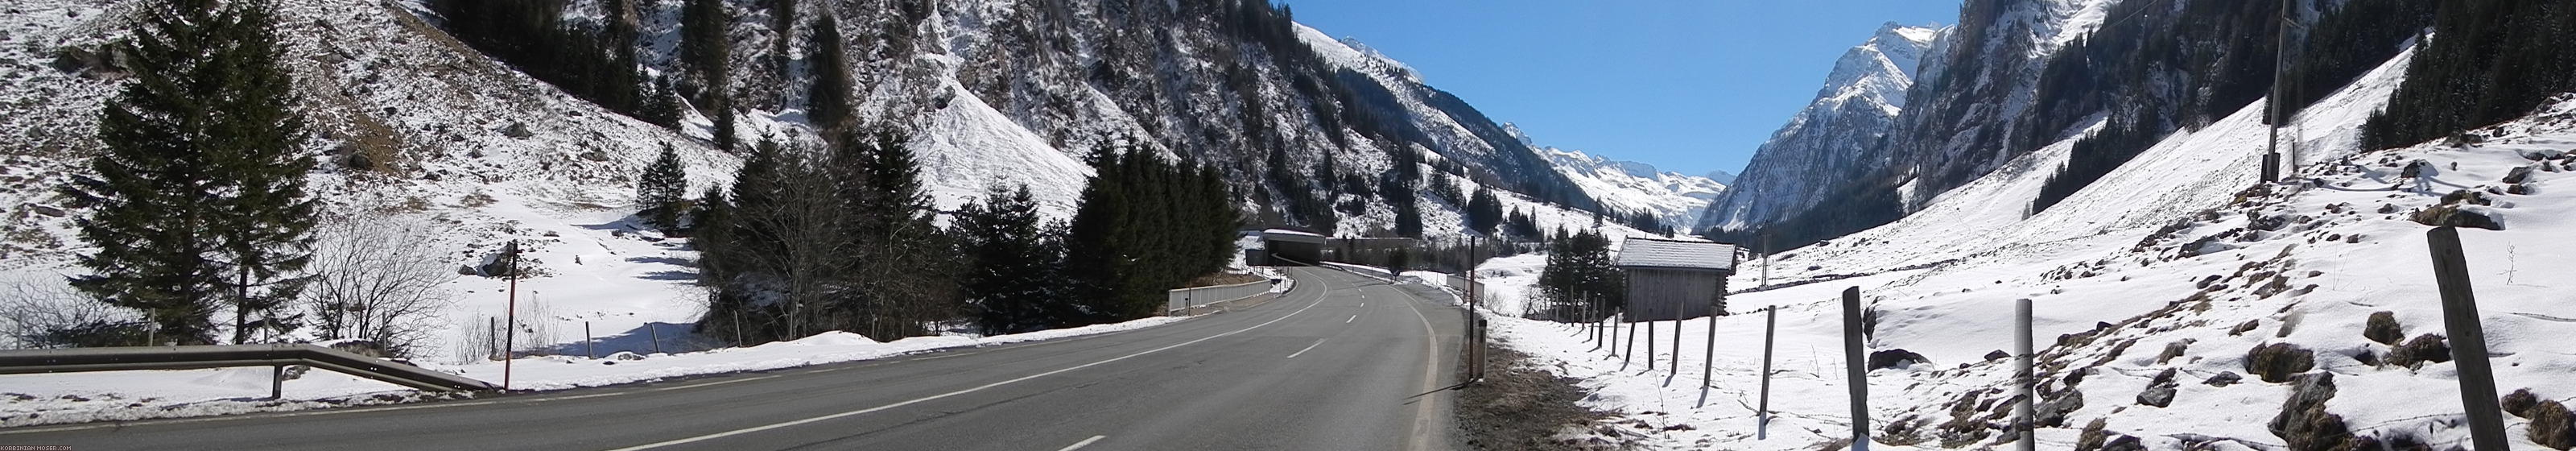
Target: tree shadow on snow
point(675, 338)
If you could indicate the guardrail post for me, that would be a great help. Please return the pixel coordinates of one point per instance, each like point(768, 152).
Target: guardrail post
point(1770, 325)
point(2023, 378)
point(1859, 371)
point(2468, 340)
point(277, 382)
point(589, 343)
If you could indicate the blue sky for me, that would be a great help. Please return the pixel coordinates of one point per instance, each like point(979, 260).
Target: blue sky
point(1686, 85)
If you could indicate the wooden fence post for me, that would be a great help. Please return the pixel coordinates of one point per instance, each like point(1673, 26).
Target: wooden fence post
point(2468, 340)
point(1859, 370)
point(1770, 329)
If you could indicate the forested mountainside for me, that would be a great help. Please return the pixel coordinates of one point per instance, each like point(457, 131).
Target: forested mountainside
point(1310, 131)
point(1308, 128)
point(2115, 77)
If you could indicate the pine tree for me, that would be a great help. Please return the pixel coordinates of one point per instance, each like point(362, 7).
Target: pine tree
point(1014, 257)
point(827, 100)
point(1484, 211)
point(899, 260)
point(661, 188)
point(193, 207)
point(725, 135)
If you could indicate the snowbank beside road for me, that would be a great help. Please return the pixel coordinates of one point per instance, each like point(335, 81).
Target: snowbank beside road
point(35, 399)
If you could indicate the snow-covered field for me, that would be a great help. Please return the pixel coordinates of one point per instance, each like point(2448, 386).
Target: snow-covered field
point(129, 395)
point(2166, 273)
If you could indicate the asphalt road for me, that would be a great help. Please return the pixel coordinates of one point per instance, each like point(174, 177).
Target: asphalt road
point(1340, 363)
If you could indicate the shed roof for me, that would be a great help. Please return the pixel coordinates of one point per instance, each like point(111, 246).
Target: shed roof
point(1675, 254)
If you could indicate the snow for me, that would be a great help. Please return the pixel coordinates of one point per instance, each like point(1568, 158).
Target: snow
point(32, 399)
point(1676, 199)
point(2306, 265)
point(1652, 253)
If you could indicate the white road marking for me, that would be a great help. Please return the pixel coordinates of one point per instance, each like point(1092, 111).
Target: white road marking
point(1308, 348)
point(1318, 301)
point(1083, 443)
point(1353, 318)
point(1430, 372)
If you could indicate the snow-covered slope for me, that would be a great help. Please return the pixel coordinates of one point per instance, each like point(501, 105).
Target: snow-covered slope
point(1632, 187)
point(1835, 138)
point(2150, 287)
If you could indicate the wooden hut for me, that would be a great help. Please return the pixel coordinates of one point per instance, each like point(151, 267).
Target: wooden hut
point(1673, 279)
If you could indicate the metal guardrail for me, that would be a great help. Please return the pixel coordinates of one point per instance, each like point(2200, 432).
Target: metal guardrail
point(1187, 299)
point(38, 361)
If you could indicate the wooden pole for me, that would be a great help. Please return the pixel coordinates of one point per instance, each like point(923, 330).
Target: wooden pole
point(2468, 340)
point(589, 343)
point(1770, 329)
point(1858, 370)
point(510, 342)
point(2027, 439)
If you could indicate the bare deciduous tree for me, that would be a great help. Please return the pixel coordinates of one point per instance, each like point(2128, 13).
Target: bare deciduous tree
point(43, 311)
point(378, 276)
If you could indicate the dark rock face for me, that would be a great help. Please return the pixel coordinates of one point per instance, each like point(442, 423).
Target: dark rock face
point(1895, 358)
point(2276, 362)
point(2160, 392)
point(2383, 328)
point(2427, 348)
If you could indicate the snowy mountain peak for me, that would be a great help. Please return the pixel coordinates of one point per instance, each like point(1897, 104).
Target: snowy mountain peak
point(1881, 68)
point(1630, 187)
point(1832, 137)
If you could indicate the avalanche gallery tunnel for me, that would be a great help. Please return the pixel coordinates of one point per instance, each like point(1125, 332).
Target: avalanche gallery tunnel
point(1292, 248)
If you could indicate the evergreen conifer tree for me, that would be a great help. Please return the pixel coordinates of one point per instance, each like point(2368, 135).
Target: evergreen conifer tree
point(661, 188)
point(199, 197)
point(1012, 280)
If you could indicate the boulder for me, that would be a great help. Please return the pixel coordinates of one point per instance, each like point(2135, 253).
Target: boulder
point(1895, 358)
point(2277, 362)
point(2552, 426)
point(2520, 402)
point(2427, 348)
point(2053, 412)
point(2304, 424)
point(2383, 328)
point(2517, 175)
point(2160, 392)
point(2458, 216)
point(1997, 355)
point(518, 130)
point(2224, 378)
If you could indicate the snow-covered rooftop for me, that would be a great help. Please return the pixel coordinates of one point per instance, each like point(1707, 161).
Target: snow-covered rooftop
point(1655, 253)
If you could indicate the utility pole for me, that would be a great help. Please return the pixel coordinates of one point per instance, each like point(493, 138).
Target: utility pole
point(2272, 115)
